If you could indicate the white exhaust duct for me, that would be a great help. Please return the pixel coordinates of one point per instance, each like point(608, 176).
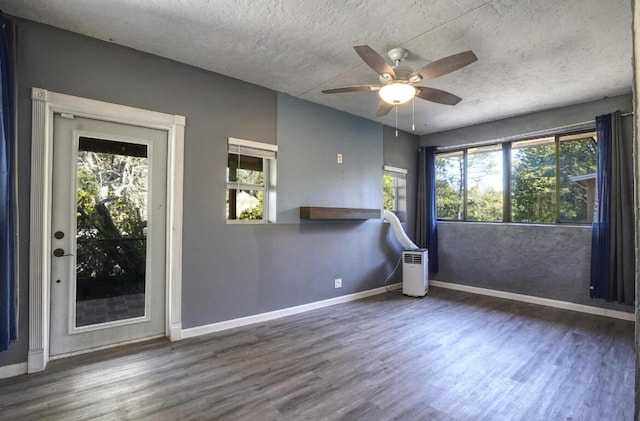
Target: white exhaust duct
point(415, 262)
point(399, 231)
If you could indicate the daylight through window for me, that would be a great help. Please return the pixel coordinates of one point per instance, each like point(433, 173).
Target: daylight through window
point(450, 185)
point(549, 180)
point(484, 183)
point(250, 181)
point(394, 191)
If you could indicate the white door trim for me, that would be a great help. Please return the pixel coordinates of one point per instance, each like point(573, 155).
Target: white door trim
point(44, 105)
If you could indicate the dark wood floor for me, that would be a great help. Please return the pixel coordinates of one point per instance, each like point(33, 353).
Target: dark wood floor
point(448, 356)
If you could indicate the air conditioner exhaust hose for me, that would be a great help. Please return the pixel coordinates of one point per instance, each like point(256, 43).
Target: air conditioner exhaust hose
point(399, 231)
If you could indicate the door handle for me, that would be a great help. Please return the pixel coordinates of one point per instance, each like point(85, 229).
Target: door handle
point(60, 253)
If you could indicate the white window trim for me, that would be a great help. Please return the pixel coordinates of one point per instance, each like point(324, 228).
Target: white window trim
point(252, 144)
point(241, 186)
point(269, 167)
point(44, 104)
point(390, 169)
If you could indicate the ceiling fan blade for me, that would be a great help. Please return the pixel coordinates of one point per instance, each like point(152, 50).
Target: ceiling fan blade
point(357, 88)
point(445, 65)
point(384, 108)
point(375, 61)
point(436, 95)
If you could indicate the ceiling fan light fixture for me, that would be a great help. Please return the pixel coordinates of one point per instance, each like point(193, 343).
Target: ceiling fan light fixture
point(396, 93)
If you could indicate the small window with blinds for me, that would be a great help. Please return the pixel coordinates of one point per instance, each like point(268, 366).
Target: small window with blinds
point(250, 181)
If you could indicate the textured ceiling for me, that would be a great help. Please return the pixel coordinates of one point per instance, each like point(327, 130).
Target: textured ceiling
point(532, 54)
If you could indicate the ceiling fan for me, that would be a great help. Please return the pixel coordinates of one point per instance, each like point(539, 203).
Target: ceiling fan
point(398, 84)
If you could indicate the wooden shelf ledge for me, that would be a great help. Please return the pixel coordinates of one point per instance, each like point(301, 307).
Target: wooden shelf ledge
point(319, 212)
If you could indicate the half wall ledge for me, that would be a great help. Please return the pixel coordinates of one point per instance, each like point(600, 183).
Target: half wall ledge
point(319, 212)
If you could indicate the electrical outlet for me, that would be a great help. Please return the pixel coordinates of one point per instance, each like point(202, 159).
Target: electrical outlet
point(339, 161)
point(337, 283)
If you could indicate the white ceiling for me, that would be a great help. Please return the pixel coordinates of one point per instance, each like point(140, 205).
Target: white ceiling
point(532, 54)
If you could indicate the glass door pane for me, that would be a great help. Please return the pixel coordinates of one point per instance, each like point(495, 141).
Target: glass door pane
point(111, 237)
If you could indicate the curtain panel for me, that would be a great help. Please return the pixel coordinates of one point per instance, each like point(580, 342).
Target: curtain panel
point(8, 287)
point(612, 245)
point(426, 218)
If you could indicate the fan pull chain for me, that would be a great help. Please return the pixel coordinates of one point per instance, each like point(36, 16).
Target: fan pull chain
point(396, 107)
point(413, 114)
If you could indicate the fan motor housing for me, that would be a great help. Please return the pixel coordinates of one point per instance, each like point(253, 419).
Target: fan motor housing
point(402, 73)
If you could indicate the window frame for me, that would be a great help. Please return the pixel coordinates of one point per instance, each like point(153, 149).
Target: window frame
point(507, 175)
point(268, 153)
point(399, 200)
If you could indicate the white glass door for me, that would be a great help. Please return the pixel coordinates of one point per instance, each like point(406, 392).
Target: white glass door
point(108, 234)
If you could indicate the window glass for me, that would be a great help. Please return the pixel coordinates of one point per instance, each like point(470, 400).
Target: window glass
point(551, 180)
point(389, 188)
point(533, 180)
point(249, 204)
point(484, 183)
point(245, 169)
point(250, 194)
point(578, 161)
point(394, 191)
point(449, 185)
point(245, 177)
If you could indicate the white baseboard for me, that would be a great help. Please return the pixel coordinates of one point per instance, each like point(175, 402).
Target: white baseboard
point(13, 370)
point(537, 300)
point(271, 315)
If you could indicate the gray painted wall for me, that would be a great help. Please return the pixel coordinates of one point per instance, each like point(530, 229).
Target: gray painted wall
point(525, 125)
point(550, 261)
point(229, 270)
point(541, 260)
point(309, 138)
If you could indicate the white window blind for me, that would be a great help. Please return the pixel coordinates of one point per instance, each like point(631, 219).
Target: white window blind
point(251, 148)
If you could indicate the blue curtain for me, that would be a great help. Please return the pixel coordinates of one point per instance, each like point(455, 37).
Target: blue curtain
point(8, 316)
point(426, 218)
point(613, 244)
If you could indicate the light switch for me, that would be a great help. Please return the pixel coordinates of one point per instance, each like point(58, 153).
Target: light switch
point(339, 158)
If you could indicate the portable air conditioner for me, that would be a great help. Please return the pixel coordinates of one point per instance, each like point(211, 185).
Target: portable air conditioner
point(415, 272)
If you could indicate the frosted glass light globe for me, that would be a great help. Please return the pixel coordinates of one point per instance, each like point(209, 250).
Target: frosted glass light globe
point(396, 93)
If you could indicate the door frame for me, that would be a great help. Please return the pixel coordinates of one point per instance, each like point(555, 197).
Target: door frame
point(44, 104)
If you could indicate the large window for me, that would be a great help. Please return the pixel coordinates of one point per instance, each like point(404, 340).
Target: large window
point(549, 180)
point(394, 190)
point(250, 181)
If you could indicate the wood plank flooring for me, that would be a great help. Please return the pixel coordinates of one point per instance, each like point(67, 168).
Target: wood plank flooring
point(448, 356)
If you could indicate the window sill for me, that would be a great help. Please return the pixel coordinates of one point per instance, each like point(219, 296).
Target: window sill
point(251, 222)
point(517, 224)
